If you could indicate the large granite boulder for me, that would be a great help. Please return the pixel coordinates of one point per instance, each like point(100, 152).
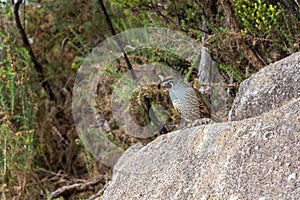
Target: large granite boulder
point(254, 158)
point(270, 88)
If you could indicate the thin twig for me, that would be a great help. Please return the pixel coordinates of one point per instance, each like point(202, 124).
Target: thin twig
point(117, 39)
point(152, 115)
point(45, 84)
point(77, 187)
point(99, 193)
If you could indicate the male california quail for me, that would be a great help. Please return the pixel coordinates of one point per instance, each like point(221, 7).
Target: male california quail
point(189, 102)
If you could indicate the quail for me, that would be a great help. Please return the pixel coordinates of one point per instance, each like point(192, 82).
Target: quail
point(188, 102)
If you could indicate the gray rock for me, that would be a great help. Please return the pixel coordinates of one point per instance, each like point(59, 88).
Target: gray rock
point(267, 89)
point(254, 158)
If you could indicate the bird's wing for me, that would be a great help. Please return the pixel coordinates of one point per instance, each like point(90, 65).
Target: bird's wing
point(177, 106)
point(197, 98)
point(205, 107)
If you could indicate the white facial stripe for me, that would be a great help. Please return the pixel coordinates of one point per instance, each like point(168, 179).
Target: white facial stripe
point(172, 83)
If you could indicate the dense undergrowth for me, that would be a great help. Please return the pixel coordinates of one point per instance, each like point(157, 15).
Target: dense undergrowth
point(40, 150)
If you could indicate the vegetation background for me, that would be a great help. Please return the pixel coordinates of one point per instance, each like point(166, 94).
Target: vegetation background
point(40, 150)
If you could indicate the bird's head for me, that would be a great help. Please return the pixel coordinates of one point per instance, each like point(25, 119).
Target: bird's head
point(168, 83)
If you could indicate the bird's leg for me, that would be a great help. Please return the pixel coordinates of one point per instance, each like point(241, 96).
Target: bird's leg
point(187, 124)
point(202, 121)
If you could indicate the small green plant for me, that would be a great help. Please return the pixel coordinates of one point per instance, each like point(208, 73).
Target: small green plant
point(229, 70)
point(269, 27)
point(17, 129)
point(256, 16)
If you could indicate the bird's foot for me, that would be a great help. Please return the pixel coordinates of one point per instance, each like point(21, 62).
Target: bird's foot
point(198, 122)
point(202, 121)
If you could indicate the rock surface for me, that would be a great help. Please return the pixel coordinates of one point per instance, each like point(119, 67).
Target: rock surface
point(270, 88)
point(255, 158)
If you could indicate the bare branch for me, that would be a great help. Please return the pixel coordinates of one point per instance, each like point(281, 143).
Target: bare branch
point(152, 115)
point(99, 193)
point(77, 187)
point(37, 66)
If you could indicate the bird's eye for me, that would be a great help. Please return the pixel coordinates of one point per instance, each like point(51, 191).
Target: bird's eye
point(169, 84)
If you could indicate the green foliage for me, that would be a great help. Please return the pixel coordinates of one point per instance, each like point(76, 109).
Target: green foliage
point(160, 13)
point(257, 16)
point(64, 32)
point(271, 29)
point(131, 3)
point(112, 71)
point(17, 113)
point(287, 34)
point(231, 72)
point(120, 18)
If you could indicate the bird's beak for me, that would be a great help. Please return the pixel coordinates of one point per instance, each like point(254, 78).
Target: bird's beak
point(164, 85)
point(161, 85)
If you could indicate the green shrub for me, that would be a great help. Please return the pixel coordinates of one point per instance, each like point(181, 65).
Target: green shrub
point(257, 16)
point(17, 129)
